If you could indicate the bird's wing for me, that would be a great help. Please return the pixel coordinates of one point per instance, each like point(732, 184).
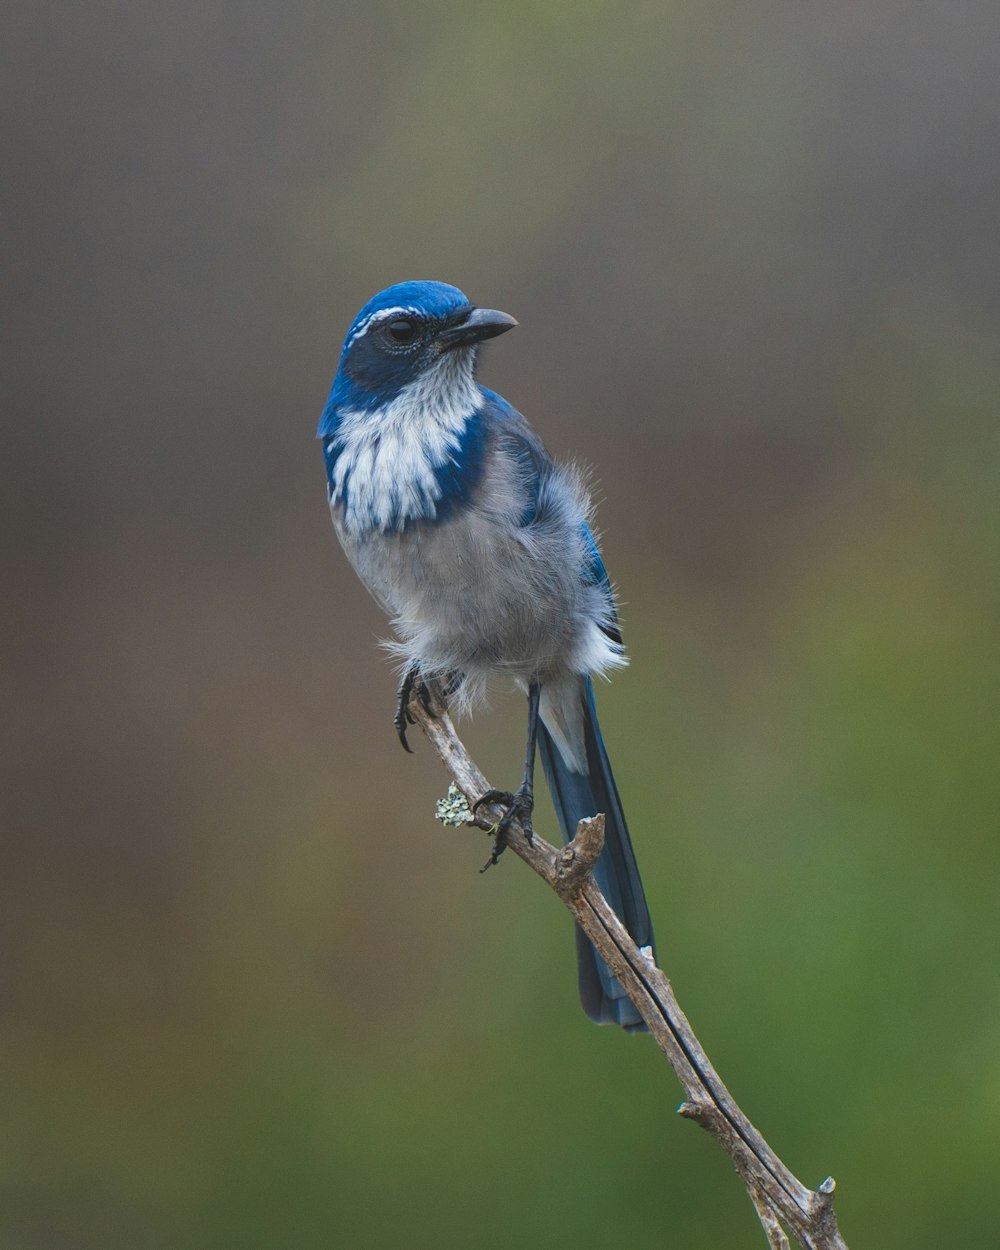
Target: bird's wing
point(537, 467)
point(520, 442)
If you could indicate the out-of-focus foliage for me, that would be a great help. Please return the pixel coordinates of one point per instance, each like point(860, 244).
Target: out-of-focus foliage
point(253, 996)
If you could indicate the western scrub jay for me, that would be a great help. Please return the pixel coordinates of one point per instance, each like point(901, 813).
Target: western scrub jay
point(479, 548)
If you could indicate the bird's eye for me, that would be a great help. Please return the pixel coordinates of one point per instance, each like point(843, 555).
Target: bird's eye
point(402, 330)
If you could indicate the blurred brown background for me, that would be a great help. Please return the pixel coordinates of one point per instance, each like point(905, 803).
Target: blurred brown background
point(252, 994)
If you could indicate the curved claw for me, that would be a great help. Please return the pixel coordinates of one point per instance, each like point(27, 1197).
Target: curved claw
point(411, 684)
point(401, 720)
point(403, 717)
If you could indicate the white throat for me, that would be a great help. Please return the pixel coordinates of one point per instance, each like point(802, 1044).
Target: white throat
point(386, 459)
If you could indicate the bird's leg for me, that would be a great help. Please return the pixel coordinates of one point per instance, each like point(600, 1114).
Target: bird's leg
point(412, 681)
point(521, 804)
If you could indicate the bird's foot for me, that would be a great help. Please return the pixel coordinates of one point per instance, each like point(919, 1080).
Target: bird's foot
point(429, 690)
point(412, 681)
point(518, 806)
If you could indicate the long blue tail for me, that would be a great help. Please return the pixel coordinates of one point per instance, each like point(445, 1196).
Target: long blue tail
point(574, 796)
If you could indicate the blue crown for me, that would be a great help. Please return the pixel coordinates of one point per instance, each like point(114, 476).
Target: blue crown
point(431, 299)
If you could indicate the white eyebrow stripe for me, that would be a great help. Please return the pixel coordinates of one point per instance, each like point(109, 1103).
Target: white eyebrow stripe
point(376, 318)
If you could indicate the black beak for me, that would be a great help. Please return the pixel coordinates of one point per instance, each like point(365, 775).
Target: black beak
point(479, 325)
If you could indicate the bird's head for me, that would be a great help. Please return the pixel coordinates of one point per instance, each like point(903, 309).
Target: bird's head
point(408, 332)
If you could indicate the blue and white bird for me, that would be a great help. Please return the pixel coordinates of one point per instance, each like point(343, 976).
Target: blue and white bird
point(479, 548)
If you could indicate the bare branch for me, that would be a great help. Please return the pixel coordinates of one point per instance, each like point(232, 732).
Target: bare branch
point(778, 1196)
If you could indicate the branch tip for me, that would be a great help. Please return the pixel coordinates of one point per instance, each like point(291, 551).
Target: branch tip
point(578, 857)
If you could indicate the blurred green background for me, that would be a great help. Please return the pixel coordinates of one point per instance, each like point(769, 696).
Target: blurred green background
point(252, 994)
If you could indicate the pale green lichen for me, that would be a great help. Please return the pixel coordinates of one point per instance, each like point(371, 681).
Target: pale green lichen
point(454, 808)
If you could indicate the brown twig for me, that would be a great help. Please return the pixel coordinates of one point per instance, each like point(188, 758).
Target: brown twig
point(779, 1198)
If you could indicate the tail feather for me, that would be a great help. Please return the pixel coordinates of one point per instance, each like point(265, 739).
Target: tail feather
point(574, 796)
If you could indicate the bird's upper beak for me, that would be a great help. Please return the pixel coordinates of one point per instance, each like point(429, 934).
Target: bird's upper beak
point(479, 325)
